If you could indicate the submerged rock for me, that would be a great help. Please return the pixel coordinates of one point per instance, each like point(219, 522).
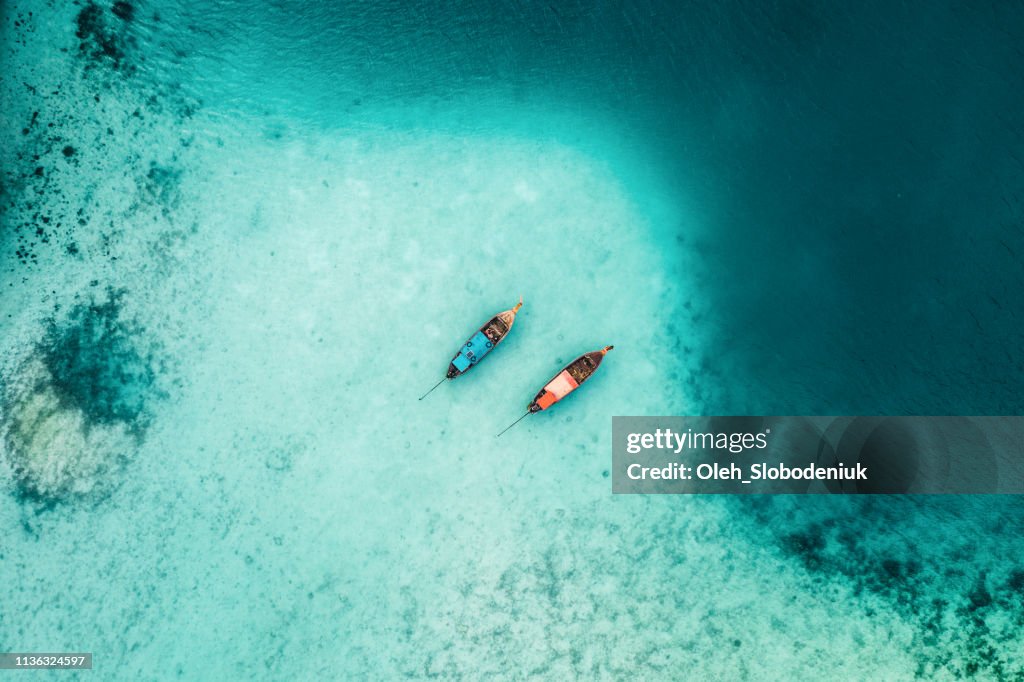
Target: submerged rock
point(102, 41)
point(77, 408)
point(97, 364)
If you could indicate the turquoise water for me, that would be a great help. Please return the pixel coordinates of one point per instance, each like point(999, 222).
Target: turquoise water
point(239, 242)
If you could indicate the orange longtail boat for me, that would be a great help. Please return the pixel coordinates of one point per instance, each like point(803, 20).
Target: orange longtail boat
point(565, 382)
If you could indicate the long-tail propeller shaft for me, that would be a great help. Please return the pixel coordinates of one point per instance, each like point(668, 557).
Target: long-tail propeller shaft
point(432, 390)
point(513, 424)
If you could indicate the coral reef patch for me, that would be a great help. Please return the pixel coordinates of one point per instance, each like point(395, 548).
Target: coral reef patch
point(78, 407)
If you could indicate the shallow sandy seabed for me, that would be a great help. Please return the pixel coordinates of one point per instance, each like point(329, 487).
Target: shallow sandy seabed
point(227, 313)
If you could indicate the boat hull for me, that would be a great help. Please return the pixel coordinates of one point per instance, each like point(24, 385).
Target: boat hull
point(481, 343)
point(568, 380)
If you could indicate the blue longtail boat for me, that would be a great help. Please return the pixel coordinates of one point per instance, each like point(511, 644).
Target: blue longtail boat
point(480, 344)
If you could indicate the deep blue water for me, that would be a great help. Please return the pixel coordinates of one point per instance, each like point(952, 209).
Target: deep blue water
point(238, 241)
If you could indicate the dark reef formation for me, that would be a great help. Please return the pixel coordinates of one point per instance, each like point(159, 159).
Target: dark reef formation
point(79, 406)
point(96, 365)
point(90, 124)
point(102, 39)
point(966, 607)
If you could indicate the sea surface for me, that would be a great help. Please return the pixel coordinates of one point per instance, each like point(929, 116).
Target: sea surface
point(239, 240)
